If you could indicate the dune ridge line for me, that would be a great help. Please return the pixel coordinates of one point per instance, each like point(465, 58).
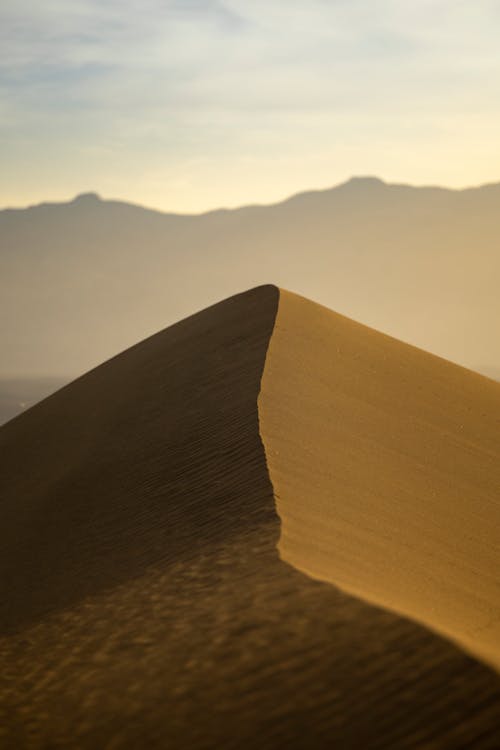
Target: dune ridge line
point(384, 465)
point(143, 602)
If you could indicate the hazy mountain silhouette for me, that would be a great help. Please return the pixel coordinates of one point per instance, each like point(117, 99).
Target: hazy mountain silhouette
point(80, 281)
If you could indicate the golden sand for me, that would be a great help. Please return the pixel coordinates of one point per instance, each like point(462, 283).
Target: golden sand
point(143, 602)
point(385, 466)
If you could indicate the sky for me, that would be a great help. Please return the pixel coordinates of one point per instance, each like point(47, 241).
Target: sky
point(188, 105)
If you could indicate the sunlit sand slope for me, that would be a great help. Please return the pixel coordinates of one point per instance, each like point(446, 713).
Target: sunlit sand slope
point(143, 602)
point(385, 463)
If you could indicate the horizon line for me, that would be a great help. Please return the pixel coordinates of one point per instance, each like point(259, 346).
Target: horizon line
point(373, 179)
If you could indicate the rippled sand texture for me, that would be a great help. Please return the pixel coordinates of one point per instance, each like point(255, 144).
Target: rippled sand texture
point(143, 602)
point(385, 462)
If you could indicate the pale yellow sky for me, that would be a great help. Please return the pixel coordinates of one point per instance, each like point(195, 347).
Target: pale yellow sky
point(187, 105)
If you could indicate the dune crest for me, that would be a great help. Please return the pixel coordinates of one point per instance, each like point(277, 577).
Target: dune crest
point(143, 602)
point(385, 465)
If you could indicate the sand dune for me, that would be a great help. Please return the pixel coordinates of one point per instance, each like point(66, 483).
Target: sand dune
point(143, 600)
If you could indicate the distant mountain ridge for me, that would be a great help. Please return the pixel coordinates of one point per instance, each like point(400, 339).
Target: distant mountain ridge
point(82, 280)
point(354, 183)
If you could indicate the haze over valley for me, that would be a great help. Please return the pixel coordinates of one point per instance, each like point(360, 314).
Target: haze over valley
point(85, 279)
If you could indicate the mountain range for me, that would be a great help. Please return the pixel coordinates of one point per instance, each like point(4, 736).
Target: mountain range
point(80, 281)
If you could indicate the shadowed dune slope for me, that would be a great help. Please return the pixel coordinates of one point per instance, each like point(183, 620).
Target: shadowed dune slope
point(143, 601)
point(86, 471)
point(385, 461)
